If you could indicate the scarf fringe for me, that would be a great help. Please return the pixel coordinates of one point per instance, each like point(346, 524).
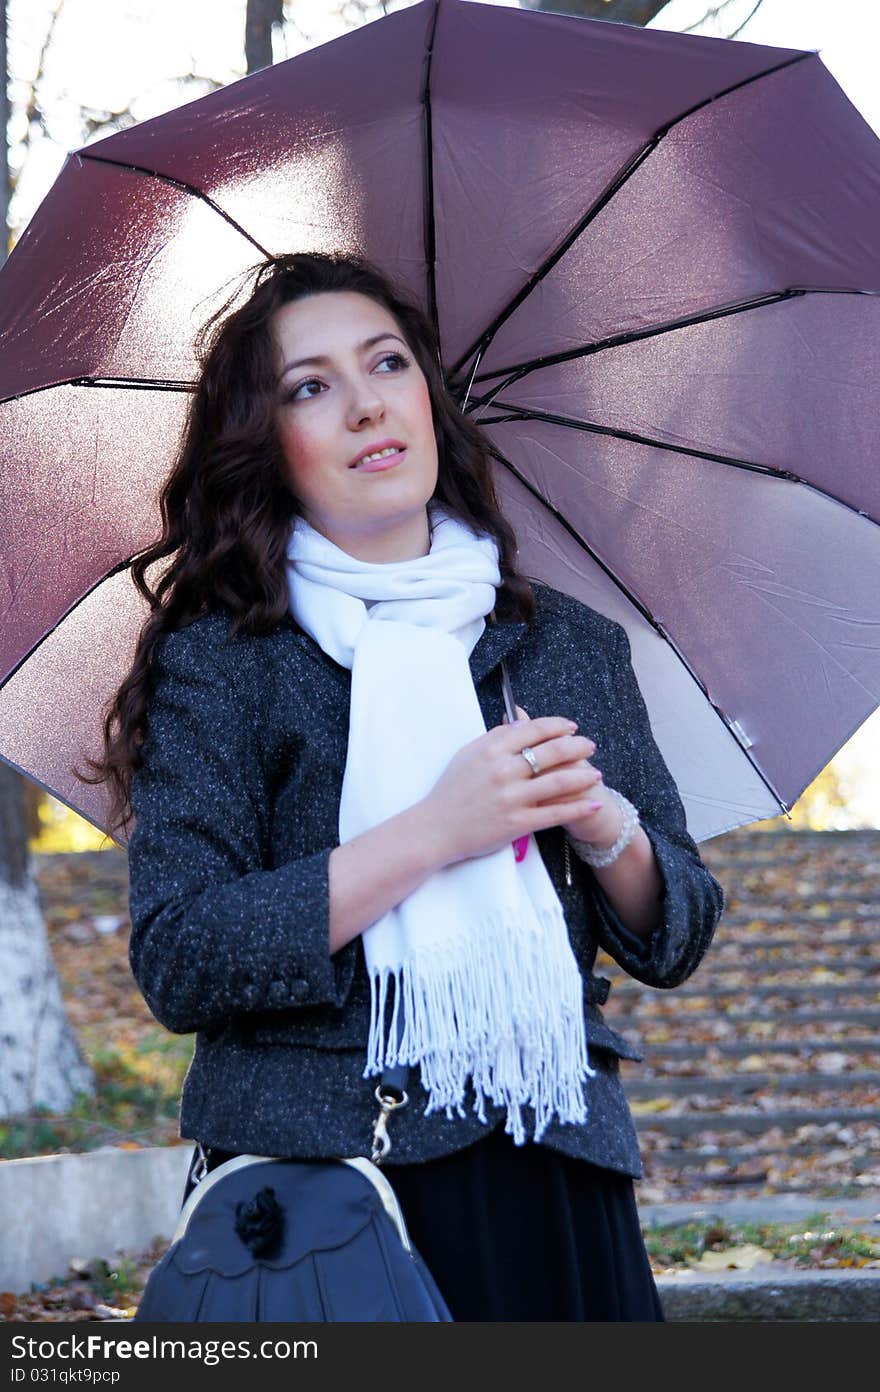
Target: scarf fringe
point(496, 981)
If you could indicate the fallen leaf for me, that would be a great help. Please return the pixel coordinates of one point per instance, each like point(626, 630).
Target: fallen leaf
point(832, 1062)
point(753, 1063)
point(743, 1258)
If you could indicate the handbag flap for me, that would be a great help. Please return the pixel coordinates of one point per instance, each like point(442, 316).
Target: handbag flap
point(316, 1205)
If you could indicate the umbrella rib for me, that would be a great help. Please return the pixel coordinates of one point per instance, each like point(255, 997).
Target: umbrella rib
point(482, 343)
point(32, 778)
point(177, 183)
point(108, 575)
point(430, 237)
point(135, 383)
point(657, 624)
point(515, 371)
point(521, 413)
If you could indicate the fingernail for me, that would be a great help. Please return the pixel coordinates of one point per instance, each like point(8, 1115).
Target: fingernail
point(594, 806)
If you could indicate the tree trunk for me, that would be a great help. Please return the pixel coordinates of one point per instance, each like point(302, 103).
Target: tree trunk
point(639, 12)
point(5, 190)
point(40, 1061)
point(259, 19)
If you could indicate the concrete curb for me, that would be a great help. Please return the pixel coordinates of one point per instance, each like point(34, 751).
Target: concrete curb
point(767, 1293)
point(57, 1207)
point(773, 1291)
point(776, 1208)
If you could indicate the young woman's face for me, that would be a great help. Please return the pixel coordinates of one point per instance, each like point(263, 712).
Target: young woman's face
point(365, 389)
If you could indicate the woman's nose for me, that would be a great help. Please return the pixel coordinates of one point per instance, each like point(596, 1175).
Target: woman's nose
point(367, 406)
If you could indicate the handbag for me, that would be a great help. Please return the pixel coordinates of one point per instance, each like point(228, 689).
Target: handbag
point(296, 1241)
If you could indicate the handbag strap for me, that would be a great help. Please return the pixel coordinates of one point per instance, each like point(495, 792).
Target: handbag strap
point(395, 1079)
point(390, 1094)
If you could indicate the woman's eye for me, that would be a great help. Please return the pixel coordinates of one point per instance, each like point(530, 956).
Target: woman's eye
point(398, 357)
point(294, 393)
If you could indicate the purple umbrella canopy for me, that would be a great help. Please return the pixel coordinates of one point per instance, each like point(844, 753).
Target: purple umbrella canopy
point(654, 264)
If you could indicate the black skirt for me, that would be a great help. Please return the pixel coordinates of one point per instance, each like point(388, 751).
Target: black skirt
point(525, 1233)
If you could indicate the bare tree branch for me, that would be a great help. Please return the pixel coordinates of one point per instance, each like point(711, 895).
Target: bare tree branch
point(5, 173)
point(716, 11)
point(758, 4)
point(99, 121)
point(33, 111)
point(637, 12)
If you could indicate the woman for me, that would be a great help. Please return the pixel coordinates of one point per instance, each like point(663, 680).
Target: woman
point(326, 798)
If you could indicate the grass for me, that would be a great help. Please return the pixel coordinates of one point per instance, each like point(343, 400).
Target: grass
point(811, 1243)
point(135, 1103)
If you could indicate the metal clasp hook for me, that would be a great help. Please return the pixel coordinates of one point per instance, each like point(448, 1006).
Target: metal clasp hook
point(201, 1165)
point(381, 1140)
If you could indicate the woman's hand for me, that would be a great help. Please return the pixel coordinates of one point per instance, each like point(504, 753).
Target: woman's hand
point(601, 822)
point(488, 797)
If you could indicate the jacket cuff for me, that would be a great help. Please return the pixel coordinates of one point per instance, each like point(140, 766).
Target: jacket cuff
point(689, 905)
point(305, 973)
point(259, 943)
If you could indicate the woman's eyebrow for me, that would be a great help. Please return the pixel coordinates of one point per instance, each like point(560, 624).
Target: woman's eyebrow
point(317, 362)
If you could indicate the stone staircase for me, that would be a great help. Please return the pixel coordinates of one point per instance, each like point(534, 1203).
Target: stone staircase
point(762, 1072)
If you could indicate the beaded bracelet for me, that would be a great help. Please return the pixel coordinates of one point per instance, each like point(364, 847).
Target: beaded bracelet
point(591, 855)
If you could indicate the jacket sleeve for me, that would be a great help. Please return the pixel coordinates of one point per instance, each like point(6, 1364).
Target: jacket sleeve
point(692, 899)
point(213, 933)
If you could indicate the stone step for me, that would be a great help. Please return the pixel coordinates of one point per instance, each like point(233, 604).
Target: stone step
point(839, 1212)
point(822, 952)
point(742, 1047)
point(783, 833)
point(861, 917)
point(854, 839)
point(726, 963)
point(776, 1290)
point(819, 933)
point(738, 1155)
point(800, 1015)
point(627, 989)
point(858, 898)
point(736, 874)
point(741, 1083)
point(798, 950)
point(773, 1292)
point(772, 968)
point(752, 1123)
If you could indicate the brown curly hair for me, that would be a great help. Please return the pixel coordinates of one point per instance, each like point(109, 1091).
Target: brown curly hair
point(227, 505)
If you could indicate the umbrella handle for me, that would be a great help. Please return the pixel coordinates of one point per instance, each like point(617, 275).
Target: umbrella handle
point(521, 844)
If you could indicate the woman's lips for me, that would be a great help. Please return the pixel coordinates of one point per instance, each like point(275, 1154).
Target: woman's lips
point(376, 466)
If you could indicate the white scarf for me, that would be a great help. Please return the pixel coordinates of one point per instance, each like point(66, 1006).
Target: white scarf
point(479, 951)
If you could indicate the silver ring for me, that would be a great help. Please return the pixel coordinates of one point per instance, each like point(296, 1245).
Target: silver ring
point(529, 755)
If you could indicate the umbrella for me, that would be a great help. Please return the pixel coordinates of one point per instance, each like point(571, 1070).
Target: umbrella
point(653, 260)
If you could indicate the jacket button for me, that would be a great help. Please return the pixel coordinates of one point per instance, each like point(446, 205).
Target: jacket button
point(277, 992)
point(299, 989)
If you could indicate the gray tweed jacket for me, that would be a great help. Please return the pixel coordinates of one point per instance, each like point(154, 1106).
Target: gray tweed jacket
point(236, 810)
